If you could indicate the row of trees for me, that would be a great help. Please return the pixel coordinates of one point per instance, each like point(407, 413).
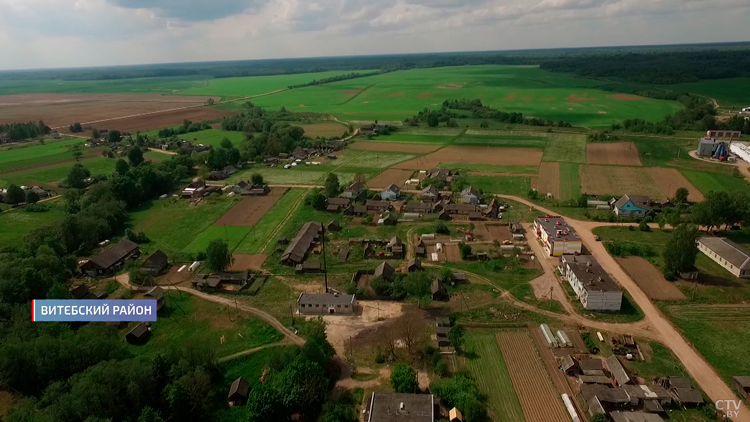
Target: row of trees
point(186, 127)
point(21, 131)
point(476, 110)
point(337, 78)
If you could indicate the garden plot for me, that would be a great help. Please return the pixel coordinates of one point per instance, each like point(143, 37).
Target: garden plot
point(618, 153)
point(479, 155)
point(250, 210)
point(650, 279)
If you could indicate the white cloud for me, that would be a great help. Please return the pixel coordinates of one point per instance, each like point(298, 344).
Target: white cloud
point(54, 33)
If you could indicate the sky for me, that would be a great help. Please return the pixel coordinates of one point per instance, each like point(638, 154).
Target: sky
point(76, 33)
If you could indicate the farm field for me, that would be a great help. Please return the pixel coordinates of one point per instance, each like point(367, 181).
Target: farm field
point(729, 93)
point(265, 227)
point(161, 120)
point(163, 85)
point(256, 85)
point(650, 279)
point(719, 332)
point(388, 177)
point(16, 224)
point(173, 224)
point(707, 182)
point(655, 182)
point(407, 135)
point(30, 154)
point(391, 146)
point(233, 235)
point(617, 153)
point(479, 155)
point(526, 89)
point(62, 110)
point(549, 179)
point(52, 174)
point(486, 363)
point(324, 129)
point(511, 185)
point(250, 209)
point(191, 320)
point(570, 181)
point(565, 148)
point(473, 168)
point(539, 400)
point(502, 141)
point(211, 137)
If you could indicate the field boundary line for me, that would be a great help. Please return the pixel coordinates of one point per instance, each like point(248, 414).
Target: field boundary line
point(357, 94)
point(283, 222)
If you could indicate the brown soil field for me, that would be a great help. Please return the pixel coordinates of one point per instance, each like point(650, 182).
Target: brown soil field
point(479, 155)
point(626, 97)
point(324, 129)
point(549, 179)
point(484, 231)
point(65, 109)
point(669, 180)
point(655, 182)
point(650, 279)
point(389, 176)
point(393, 147)
point(250, 210)
point(244, 262)
point(618, 153)
point(160, 120)
point(574, 98)
point(539, 399)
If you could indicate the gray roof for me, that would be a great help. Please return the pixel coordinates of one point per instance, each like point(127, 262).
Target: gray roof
point(418, 207)
point(594, 379)
point(385, 270)
point(395, 240)
point(386, 407)
point(460, 207)
point(430, 190)
point(725, 248)
point(156, 259)
point(394, 188)
point(567, 362)
point(604, 393)
point(325, 299)
point(155, 293)
point(139, 330)
point(688, 395)
point(469, 191)
point(301, 243)
point(377, 204)
point(339, 201)
point(552, 223)
point(619, 416)
point(654, 392)
point(617, 370)
point(743, 381)
point(591, 275)
point(415, 262)
point(680, 382)
point(442, 321)
point(638, 200)
point(114, 254)
point(239, 387)
point(354, 187)
point(591, 364)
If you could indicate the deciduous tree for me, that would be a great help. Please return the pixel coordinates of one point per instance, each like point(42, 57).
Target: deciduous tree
point(15, 195)
point(680, 251)
point(404, 379)
point(218, 255)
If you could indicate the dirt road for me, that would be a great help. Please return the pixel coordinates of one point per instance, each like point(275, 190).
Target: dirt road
point(701, 371)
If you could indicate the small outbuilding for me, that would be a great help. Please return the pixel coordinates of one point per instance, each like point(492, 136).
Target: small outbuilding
point(139, 334)
point(155, 263)
point(238, 392)
point(414, 265)
point(156, 293)
point(385, 270)
point(454, 415)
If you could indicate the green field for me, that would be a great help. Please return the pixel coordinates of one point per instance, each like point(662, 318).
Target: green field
point(707, 182)
point(16, 224)
point(233, 235)
point(565, 149)
point(31, 154)
point(262, 231)
point(489, 168)
point(211, 137)
point(570, 182)
point(56, 173)
point(256, 85)
point(410, 138)
point(502, 141)
point(485, 362)
point(526, 89)
point(730, 93)
point(190, 320)
point(173, 225)
point(509, 185)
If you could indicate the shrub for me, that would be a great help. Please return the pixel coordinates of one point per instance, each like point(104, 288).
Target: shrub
point(442, 228)
point(643, 226)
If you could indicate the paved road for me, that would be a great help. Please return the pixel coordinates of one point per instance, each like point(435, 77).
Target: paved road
point(701, 371)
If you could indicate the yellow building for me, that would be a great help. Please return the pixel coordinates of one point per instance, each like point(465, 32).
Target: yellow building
point(557, 237)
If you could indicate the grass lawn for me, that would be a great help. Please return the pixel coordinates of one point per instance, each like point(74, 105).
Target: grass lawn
point(403, 136)
point(262, 231)
point(173, 225)
point(707, 182)
point(502, 141)
point(30, 154)
point(301, 175)
point(324, 129)
point(565, 148)
point(233, 235)
point(56, 173)
point(489, 168)
point(189, 320)
point(484, 360)
point(16, 224)
point(256, 85)
point(211, 137)
point(370, 159)
point(509, 185)
point(570, 181)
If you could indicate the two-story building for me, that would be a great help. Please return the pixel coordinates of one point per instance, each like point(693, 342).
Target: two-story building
point(596, 290)
point(557, 237)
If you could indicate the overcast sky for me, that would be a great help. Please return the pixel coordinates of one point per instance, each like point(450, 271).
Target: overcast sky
point(71, 33)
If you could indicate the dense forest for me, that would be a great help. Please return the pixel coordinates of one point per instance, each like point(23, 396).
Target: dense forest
point(656, 64)
point(448, 115)
point(21, 131)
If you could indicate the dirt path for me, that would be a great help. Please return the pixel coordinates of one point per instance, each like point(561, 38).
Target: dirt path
point(548, 278)
point(252, 351)
point(161, 151)
point(660, 328)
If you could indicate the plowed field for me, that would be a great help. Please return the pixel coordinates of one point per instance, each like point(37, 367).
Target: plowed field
point(655, 182)
point(539, 399)
point(394, 147)
point(250, 210)
point(479, 155)
point(650, 279)
point(549, 179)
point(618, 153)
point(388, 177)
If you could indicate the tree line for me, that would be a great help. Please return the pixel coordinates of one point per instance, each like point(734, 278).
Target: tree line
point(447, 114)
point(337, 78)
point(186, 127)
point(21, 131)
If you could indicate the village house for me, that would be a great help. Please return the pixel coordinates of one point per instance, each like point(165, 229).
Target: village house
point(396, 246)
point(156, 293)
point(111, 260)
point(353, 191)
point(414, 265)
point(470, 196)
point(337, 204)
point(155, 263)
point(384, 271)
point(437, 290)
point(682, 390)
point(635, 205)
point(733, 257)
point(297, 249)
point(196, 187)
point(223, 173)
point(620, 376)
point(418, 207)
point(444, 175)
point(388, 220)
point(139, 334)
point(619, 416)
point(4, 138)
point(391, 193)
point(308, 268)
point(238, 392)
point(333, 226)
point(355, 210)
point(601, 398)
point(557, 237)
point(377, 206)
point(430, 194)
point(255, 190)
point(325, 304)
point(460, 209)
point(595, 289)
point(401, 407)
